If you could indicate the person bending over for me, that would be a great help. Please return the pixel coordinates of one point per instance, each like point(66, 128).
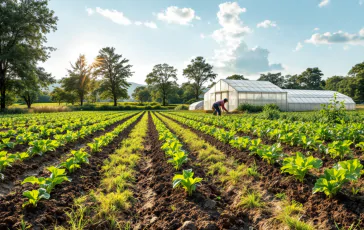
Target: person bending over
point(216, 106)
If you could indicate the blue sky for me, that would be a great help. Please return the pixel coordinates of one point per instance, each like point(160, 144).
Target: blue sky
point(245, 37)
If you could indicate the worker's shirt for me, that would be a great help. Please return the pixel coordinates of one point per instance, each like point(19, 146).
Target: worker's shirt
point(222, 104)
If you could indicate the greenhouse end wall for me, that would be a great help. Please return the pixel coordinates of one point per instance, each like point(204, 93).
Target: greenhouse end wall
point(279, 99)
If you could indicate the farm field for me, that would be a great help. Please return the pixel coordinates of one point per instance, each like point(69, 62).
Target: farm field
point(179, 170)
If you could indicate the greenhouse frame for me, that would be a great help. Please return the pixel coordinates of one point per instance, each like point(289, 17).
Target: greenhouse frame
point(264, 92)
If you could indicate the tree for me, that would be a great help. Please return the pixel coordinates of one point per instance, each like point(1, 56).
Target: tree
point(24, 25)
point(357, 72)
point(114, 70)
point(162, 78)
point(79, 79)
point(58, 95)
point(199, 72)
point(311, 79)
point(29, 88)
point(291, 82)
point(236, 77)
point(188, 94)
point(142, 94)
point(275, 78)
point(333, 83)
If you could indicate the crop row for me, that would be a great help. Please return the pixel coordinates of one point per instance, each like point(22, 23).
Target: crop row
point(56, 127)
point(115, 193)
point(330, 182)
point(335, 149)
point(40, 147)
point(73, 161)
point(20, 121)
point(278, 128)
point(224, 169)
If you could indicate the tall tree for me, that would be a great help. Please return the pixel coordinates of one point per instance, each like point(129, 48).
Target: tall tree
point(291, 82)
point(199, 72)
point(23, 28)
point(357, 72)
point(114, 70)
point(333, 83)
point(57, 95)
point(142, 94)
point(236, 77)
point(29, 88)
point(311, 78)
point(79, 79)
point(275, 78)
point(162, 78)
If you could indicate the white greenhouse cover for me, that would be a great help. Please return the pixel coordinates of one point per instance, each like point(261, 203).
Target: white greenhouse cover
point(315, 96)
point(254, 86)
point(196, 106)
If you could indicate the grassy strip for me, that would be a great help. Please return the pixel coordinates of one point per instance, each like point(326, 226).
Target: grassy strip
point(232, 174)
point(104, 206)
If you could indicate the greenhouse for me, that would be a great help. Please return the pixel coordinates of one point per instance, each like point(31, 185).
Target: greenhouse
point(196, 106)
point(307, 100)
point(264, 92)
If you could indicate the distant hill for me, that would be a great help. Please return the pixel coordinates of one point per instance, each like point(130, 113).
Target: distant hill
point(130, 89)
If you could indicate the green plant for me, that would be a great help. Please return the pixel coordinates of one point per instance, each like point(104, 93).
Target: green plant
point(340, 149)
point(331, 182)
point(270, 153)
point(186, 181)
point(281, 196)
point(42, 146)
point(5, 161)
point(299, 165)
point(334, 111)
point(360, 145)
point(251, 200)
point(35, 196)
point(353, 169)
point(7, 143)
point(57, 177)
point(178, 159)
point(255, 145)
point(240, 142)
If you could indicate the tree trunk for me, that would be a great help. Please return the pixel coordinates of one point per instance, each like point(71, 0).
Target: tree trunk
point(2, 89)
point(81, 100)
point(115, 101)
point(164, 100)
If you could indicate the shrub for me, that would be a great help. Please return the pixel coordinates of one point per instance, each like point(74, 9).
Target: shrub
point(181, 107)
point(250, 108)
point(271, 106)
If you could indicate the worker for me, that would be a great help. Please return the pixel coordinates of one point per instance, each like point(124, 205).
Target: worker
point(216, 106)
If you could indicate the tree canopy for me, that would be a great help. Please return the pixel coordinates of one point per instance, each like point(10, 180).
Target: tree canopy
point(236, 77)
point(162, 78)
point(79, 79)
point(275, 78)
point(199, 72)
point(142, 94)
point(24, 25)
point(114, 70)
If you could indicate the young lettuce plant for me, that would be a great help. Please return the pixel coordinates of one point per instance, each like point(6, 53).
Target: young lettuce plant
point(186, 181)
point(178, 159)
point(35, 196)
point(340, 149)
point(5, 161)
point(299, 165)
point(40, 147)
point(331, 182)
point(360, 145)
point(240, 143)
point(270, 153)
point(57, 177)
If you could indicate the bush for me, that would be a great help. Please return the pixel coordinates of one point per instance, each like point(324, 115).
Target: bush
point(271, 106)
point(250, 108)
point(181, 107)
point(270, 114)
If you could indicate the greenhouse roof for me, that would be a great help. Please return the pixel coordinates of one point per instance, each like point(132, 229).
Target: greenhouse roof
point(253, 86)
point(314, 96)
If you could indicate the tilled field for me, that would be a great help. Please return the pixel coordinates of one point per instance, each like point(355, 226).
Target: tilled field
point(127, 181)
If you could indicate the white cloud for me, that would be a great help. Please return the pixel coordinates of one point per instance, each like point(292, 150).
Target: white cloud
point(233, 55)
point(316, 29)
point(298, 47)
point(90, 11)
point(175, 15)
point(202, 36)
point(138, 23)
point(337, 37)
point(151, 25)
point(324, 3)
point(114, 15)
point(266, 24)
point(361, 2)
